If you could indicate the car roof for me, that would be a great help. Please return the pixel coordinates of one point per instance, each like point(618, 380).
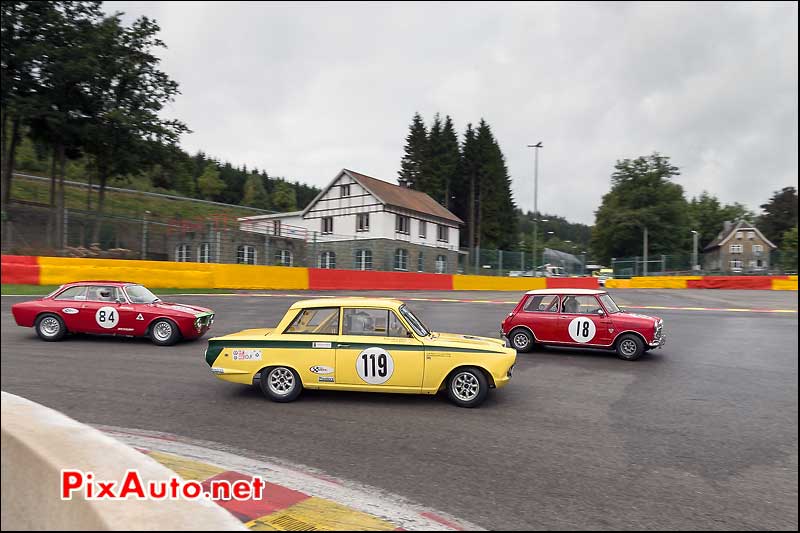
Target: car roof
point(99, 282)
point(350, 301)
point(567, 291)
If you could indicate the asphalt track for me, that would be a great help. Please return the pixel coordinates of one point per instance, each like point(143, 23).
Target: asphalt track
point(701, 434)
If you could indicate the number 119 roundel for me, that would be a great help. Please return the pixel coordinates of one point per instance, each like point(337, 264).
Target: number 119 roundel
point(112, 308)
point(581, 317)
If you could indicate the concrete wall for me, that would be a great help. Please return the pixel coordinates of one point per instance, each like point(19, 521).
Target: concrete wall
point(38, 442)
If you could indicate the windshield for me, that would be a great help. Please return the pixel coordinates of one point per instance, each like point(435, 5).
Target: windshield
point(416, 324)
point(141, 295)
point(609, 304)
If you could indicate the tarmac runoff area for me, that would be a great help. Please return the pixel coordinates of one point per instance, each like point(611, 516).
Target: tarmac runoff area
point(701, 434)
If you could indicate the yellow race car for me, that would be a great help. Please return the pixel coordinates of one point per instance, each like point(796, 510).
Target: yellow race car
point(360, 344)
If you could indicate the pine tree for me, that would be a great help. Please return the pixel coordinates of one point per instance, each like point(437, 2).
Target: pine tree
point(449, 161)
point(413, 161)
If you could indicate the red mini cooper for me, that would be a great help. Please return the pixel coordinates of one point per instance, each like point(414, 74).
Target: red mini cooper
point(111, 307)
point(581, 317)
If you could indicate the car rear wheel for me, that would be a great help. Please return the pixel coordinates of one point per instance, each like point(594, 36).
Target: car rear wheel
point(164, 332)
point(50, 327)
point(521, 340)
point(630, 347)
point(280, 384)
point(468, 387)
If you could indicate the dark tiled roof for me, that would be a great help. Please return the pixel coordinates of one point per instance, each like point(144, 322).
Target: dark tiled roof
point(403, 197)
point(742, 224)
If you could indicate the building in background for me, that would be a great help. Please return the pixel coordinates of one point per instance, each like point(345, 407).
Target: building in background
point(362, 223)
point(739, 248)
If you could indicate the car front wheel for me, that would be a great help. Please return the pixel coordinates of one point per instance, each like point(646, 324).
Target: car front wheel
point(468, 387)
point(630, 347)
point(521, 340)
point(280, 384)
point(164, 332)
point(50, 327)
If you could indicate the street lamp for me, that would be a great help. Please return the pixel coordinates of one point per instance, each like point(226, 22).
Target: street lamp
point(694, 251)
point(535, 194)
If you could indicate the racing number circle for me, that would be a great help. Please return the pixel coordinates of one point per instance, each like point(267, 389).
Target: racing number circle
point(375, 366)
point(107, 317)
point(582, 329)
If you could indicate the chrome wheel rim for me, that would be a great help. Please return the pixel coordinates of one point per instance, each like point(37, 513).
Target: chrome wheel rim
point(628, 347)
point(50, 326)
point(520, 340)
point(281, 381)
point(163, 331)
point(465, 386)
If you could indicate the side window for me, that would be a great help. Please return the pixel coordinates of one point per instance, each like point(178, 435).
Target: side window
point(396, 328)
point(581, 305)
point(101, 294)
point(318, 320)
point(73, 293)
point(542, 303)
point(365, 321)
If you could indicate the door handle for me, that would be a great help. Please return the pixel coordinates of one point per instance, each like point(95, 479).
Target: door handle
point(342, 345)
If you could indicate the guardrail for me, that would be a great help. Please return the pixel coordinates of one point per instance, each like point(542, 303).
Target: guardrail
point(167, 274)
point(38, 442)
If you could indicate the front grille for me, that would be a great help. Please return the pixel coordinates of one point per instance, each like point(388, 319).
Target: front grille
point(658, 330)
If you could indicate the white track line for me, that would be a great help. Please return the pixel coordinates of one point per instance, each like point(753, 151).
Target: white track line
point(376, 502)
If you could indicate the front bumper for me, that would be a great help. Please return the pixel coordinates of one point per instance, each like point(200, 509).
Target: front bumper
point(659, 342)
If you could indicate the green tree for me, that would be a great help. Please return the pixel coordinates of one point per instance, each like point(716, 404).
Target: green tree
point(209, 183)
point(788, 257)
point(494, 227)
point(412, 164)
point(641, 195)
point(284, 197)
point(255, 194)
point(707, 216)
point(780, 215)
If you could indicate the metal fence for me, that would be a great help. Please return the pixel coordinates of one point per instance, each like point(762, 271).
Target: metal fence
point(775, 262)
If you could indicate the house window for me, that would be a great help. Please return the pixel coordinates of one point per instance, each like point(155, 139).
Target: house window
point(327, 260)
point(738, 234)
point(362, 222)
point(401, 224)
point(182, 253)
point(736, 264)
point(423, 229)
point(327, 225)
point(284, 258)
point(276, 228)
point(401, 259)
point(345, 190)
point(421, 262)
point(751, 234)
point(736, 248)
point(204, 252)
point(442, 233)
point(246, 255)
point(441, 264)
point(758, 249)
point(363, 260)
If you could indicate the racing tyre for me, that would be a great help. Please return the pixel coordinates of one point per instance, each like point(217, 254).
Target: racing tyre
point(468, 387)
point(521, 340)
point(164, 332)
point(280, 384)
point(50, 327)
point(630, 347)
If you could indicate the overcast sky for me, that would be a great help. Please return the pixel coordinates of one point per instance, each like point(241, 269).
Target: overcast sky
point(302, 90)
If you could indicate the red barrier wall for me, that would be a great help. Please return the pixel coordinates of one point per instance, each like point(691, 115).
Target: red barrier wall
point(321, 278)
point(733, 282)
point(572, 283)
point(19, 269)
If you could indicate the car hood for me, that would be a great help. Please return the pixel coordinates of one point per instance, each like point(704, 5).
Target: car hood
point(173, 307)
point(635, 318)
point(456, 340)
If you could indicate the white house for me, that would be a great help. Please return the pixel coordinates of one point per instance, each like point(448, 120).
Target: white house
point(364, 223)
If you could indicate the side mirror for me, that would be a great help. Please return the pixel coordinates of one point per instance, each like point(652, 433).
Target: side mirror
point(600, 312)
